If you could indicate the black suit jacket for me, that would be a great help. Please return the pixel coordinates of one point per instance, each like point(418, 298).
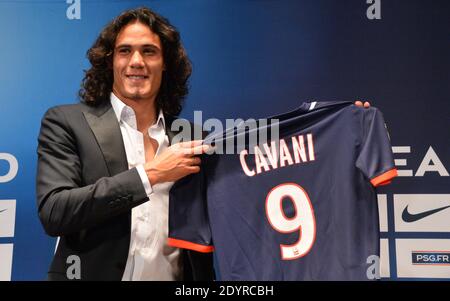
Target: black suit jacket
point(85, 193)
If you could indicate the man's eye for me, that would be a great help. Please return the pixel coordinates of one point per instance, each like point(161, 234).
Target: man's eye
point(149, 51)
point(124, 50)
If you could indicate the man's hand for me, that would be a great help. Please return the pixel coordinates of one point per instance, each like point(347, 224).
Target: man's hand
point(175, 162)
point(360, 104)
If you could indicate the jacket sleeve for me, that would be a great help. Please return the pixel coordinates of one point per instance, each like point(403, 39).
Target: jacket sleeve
point(64, 204)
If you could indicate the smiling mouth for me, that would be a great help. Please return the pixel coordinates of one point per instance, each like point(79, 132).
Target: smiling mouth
point(137, 77)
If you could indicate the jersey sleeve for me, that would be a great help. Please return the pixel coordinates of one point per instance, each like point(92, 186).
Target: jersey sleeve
point(188, 214)
point(375, 159)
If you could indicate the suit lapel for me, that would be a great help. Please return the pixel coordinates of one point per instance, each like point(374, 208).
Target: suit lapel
point(103, 123)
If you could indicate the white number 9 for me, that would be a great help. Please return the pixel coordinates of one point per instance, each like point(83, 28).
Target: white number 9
point(304, 221)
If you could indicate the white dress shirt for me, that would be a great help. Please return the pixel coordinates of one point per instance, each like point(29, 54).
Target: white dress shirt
point(149, 257)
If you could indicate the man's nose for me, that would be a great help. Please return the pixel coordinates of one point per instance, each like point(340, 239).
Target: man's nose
point(137, 60)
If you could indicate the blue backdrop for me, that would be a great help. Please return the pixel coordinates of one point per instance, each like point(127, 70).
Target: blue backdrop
point(251, 58)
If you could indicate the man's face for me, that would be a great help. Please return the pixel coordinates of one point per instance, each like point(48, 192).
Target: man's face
point(137, 63)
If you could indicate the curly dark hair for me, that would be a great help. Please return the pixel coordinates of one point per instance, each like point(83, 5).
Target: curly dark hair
point(98, 80)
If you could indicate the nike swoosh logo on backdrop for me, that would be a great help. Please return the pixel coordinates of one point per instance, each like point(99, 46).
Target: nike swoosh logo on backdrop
point(409, 218)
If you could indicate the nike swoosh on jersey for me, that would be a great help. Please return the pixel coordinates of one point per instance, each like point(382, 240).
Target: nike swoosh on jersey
point(409, 218)
point(3, 210)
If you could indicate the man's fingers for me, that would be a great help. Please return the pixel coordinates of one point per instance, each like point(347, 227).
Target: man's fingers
point(196, 150)
point(196, 161)
point(360, 104)
point(193, 169)
point(190, 144)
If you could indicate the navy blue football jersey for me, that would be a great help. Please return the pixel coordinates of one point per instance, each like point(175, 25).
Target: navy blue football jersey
point(302, 207)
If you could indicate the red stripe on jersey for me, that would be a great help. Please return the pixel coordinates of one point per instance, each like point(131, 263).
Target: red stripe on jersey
point(384, 178)
point(183, 244)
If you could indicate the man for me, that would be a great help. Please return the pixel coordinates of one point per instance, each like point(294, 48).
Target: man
point(105, 166)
